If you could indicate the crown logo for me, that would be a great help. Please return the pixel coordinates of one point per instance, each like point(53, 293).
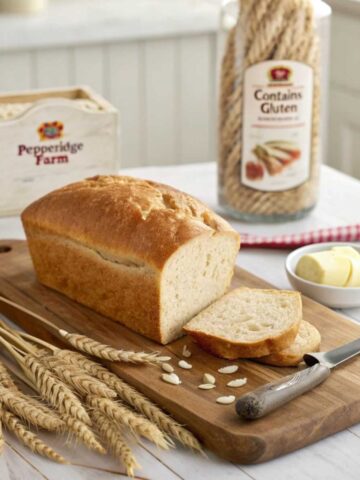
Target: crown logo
point(280, 74)
point(50, 130)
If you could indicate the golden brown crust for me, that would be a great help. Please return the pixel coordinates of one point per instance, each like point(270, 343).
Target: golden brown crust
point(231, 350)
point(293, 355)
point(222, 348)
point(143, 220)
point(107, 287)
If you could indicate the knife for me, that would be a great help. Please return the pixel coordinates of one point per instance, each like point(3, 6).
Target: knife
point(271, 396)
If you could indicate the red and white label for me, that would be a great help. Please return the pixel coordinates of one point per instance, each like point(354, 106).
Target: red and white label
point(277, 122)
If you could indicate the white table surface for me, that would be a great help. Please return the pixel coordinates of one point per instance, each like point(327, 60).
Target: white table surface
point(334, 458)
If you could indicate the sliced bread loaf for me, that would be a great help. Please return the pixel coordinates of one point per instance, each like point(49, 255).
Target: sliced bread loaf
point(248, 323)
point(307, 340)
point(139, 252)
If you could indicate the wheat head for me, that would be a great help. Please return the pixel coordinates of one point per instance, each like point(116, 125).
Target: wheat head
point(14, 425)
point(134, 398)
point(20, 406)
point(7, 382)
point(83, 433)
point(2, 440)
point(53, 390)
point(77, 378)
point(123, 416)
point(115, 441)
point(105, 352)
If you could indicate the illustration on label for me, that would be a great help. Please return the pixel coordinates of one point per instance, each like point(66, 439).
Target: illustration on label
point(50, 130)
point(277, 125)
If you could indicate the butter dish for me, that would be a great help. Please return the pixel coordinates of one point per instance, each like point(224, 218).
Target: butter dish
point(335, 297)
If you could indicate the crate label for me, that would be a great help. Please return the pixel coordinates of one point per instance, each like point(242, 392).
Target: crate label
point(50, 146)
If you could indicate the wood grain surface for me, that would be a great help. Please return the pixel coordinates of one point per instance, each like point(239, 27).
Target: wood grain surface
point(331, 407)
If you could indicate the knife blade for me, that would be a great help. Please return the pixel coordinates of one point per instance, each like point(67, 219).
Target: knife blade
point(269, 397)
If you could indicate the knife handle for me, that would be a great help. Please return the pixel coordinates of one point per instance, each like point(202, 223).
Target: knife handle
point(271, 396)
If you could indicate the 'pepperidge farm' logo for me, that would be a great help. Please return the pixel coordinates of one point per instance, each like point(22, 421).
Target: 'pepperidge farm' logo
point(54, 153)
point(280, 74)
point(50, 130)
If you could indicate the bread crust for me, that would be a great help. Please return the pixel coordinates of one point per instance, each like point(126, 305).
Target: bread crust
point(124, 216)
point(222, 347)
point(105, 242)
point(107, 287)
point(290, 356)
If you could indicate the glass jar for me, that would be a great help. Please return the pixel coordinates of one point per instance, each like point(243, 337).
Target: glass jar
point(273, 71)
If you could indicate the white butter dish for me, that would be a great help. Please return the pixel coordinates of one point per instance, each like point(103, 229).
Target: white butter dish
point(334, 297)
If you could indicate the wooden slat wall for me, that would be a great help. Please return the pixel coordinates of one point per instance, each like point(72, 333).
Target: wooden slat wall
point(164, 89)
point(344, 118)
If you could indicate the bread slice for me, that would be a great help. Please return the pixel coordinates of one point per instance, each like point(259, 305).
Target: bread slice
point(307, 340)
point(248, 323)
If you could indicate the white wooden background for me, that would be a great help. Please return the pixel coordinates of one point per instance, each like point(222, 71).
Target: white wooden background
point(155, 60)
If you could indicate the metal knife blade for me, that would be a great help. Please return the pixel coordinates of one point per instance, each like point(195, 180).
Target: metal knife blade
point(273, 395)
point(334, 357)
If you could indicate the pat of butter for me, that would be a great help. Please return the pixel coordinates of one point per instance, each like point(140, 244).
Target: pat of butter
point(354, 278)
point(324, 267)
point(339, 267)
point(347, 251)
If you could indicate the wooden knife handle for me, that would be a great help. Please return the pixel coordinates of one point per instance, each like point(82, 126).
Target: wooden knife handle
point(271, 396)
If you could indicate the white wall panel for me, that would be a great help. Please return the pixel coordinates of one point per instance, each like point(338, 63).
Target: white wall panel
point(89, 68)
point(53, 67)
point(126, 92)
point(345, 132)
point(195, 103)
point(17, 70)
point(161, 77)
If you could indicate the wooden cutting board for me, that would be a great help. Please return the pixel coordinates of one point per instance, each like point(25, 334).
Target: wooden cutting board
point(331, 407)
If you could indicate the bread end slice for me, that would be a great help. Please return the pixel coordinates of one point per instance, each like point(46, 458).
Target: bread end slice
point(248, 323)
point(307, 340)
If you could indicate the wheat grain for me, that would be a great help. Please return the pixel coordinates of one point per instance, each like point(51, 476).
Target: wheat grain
point(115, 441)
point(6, 381)
point(105, 352)
point(134, 398)
point(20, 405)
point(77, 378)
point(123, 416)
point(14, 425)
point(53, 390)
point(83, 433)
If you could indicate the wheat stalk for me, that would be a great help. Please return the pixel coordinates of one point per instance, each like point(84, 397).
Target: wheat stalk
point(133, 398)
point(123, 416)
point(55, 392)
point(2, 439)
point(41, 415)
point(83, 433)
point(25, 410)
point(105, 352)
point(115, 441)
point(77, 378)
point(87, 345)
point(14, 425)
point(6, 379)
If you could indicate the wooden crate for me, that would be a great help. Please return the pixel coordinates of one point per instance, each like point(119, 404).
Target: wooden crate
point(49, 138)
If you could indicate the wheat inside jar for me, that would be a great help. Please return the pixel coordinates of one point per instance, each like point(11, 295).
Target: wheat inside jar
point(273, 69)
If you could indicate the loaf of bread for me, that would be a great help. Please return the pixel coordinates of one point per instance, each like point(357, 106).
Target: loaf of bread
point(248, 323)
point(139, 252)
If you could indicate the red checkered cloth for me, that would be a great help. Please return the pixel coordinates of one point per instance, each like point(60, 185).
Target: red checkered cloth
point(348, 233)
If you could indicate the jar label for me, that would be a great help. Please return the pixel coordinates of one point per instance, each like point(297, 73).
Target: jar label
point(277, 120)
